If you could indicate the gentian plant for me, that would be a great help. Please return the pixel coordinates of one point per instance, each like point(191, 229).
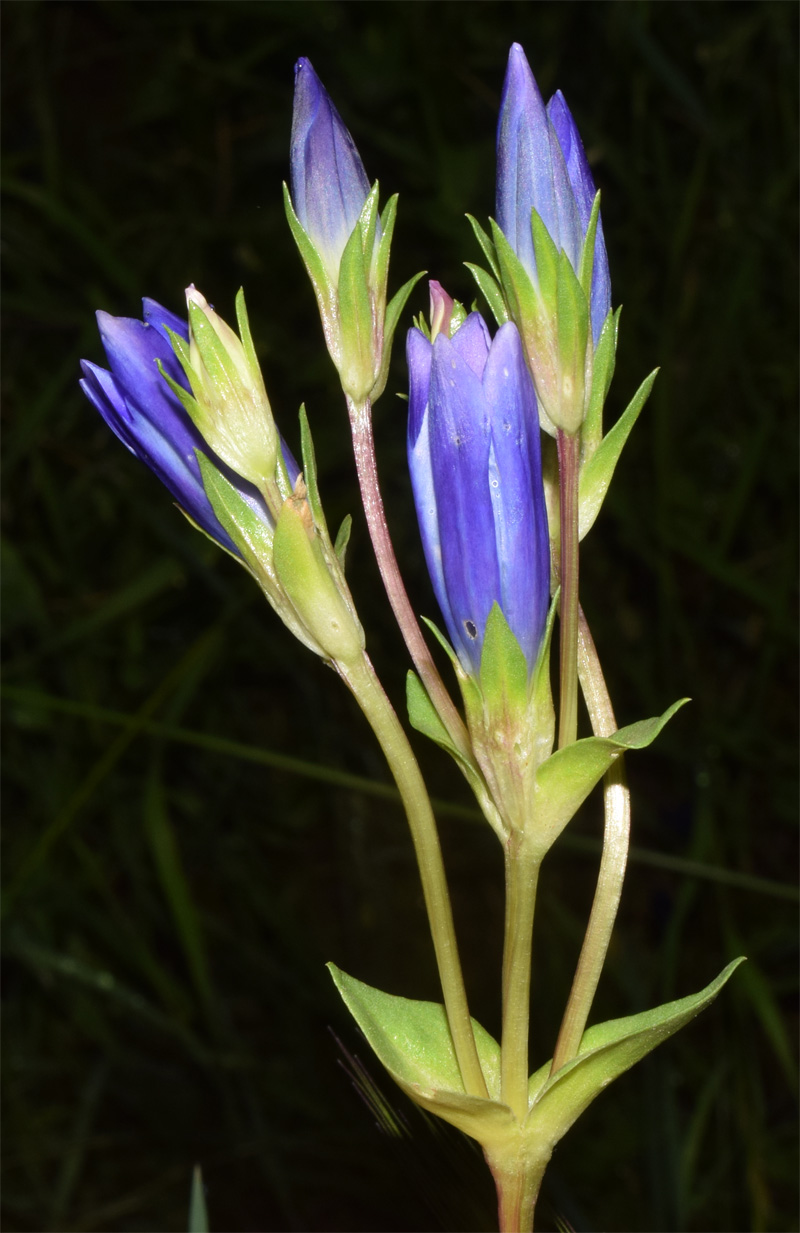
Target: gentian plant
point(509, 467)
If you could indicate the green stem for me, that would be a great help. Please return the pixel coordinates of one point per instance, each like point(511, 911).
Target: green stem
point(617, 804)
point(366, 466)
point(368, 691)
point(522, 874)
point(518, 1178)
point(568, 477)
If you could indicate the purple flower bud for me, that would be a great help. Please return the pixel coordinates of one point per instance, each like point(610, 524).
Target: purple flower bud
point(473, 449)
point(328, 180)
point(138, 405)
point(541, 165)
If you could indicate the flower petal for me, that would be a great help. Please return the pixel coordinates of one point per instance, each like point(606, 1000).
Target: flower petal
point(459, 458)
point(515, 486)
point(472, 342)
point(583, 187)
point(328, 180)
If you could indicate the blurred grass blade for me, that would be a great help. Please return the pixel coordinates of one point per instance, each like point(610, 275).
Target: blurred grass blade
point(101, 769)
point(198, 1216)
point(164, 846)
point(580, 844)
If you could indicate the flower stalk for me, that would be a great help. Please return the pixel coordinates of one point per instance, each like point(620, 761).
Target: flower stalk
point(361, 679)
point(522, 875)
point(617, 810)
point(367, 468)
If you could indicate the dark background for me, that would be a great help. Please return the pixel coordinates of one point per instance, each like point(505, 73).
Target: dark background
point(170, 902)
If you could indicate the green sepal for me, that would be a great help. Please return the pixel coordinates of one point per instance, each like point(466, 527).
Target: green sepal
point(310, 472)
point(470, 687)
point(547, 257)
point(393, 310)
point(605, 354)
point(189, 403)
point(490, 291)
point(487, 247)
point(541, 691)
point(572, 326)
point(357, 359)
point(606, 1052)
point(324, 288)
point(181, 348)
point(368, 225)
point(251, 534)
point(303, 573)
point(215, 357)
point(520, 295)
point(412, 1040)
point(567, 777)
point(445, 645)
point(423, 716)
point(381, 277)
point(586, 265)
point(343, 539)
point(504, 669)
point(243, 321)
point(596, 474)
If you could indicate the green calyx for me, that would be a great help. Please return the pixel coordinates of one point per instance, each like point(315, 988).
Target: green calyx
point(358, 324)
point(292, 558)
point(305, 577)
point(228, 402)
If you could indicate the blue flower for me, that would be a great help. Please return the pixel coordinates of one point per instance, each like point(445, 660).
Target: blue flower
point(328, 181)
point(473, 449)
point(138, 405)
point(542, 165)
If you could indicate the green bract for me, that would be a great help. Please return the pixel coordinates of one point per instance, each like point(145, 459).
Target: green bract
point(412, 1040)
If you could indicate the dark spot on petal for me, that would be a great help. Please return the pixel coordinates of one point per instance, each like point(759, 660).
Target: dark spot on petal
point(471, 628)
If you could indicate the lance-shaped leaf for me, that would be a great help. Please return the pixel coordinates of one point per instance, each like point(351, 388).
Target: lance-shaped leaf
point(567, 777)
point(597, 473)
point(607, 1051)
point(413, 1042)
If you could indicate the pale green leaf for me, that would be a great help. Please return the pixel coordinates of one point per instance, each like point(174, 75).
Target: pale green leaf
point(412, 1040)
point(567, 777)
point(607, 1051)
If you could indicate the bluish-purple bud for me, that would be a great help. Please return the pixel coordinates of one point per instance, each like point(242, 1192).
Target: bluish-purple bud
point(473, 449)
point(542, 165)
point(138, 405)
point(328, 181)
